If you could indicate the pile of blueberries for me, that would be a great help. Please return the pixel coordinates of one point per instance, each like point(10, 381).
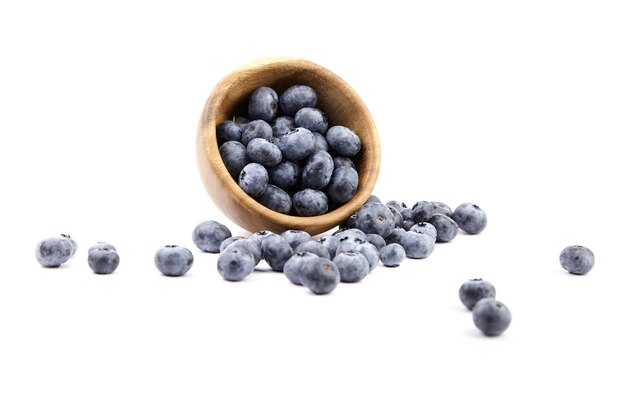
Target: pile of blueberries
point(285, 155)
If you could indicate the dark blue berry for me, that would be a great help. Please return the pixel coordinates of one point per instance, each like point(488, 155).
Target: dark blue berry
point(319, 275)
point(318, 170)
point(392, 255)
point(447, 228)
point(276, 199)
point(263, 104)
point(417, 245)
point(375, 218)
point(475, 290)
point(256, 129)
point(330, 243)
point(310, 202)
point(491, 316)
point(297, 97)
point(297, 144)
point(264, 152)
point(103, 261)
point(577, 259)
point(470, 218)
point(343, 141)
point(353, 266)
point(235, 263)
point(234, 157)
point(315, 247)
point(311, 118)
point(253, 179)
point(295, 237)
point(276, 251)
point(320, 142)
point(422, 211)
point(173, 260)
point(376, 240)
point(343, 184)
point(282, 125)
point(208, 236)
point(228, 130)
point(293, 266)
point(285, 175)
point(344, 161)
point(53, 252)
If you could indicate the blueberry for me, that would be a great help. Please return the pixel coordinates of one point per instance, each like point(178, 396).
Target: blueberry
point(407, 224)
point(228, 130)
point(276, 199)
point(407, 213)
point(351, 234)
point(372, 198)
point(370, 252)
point(235, 263)
point(396, 235)
point(264, 152)
point(347, 245)
point(397, 217)
point(392, 255)
point(446, 227)
point(297, 97)
point(234, 157)
point(282, 125)
point(376, 240)
point(293, 266)
point(348, 223)
point(318, 170)
point(330, 243)
point(422, 211)
point(53, 252)
point(475, 290)
point(253, 179)
point(417, 245)
point(398, 205)
point(470, 218)
point(72, 242)
point(102, 245)
point(320, 142)
point(173, 260)
point(491, 316)
point(209, 235)
point(103, 261)
point(263, 104)
point(353, 266)
point(276, 251)
point(375, 218)
point(249, 245)
point(260, 236)
point(441, 208)
point(228, 241)
point(315, 247)
point(256, 129)
point(242, 122)
point(343, 141)
point(342, 185)
point(577, 259)
point(343, 161)
point(295, 237)
point(425, 228)
point(285, 175)
point(310, 202)
point(311, 118)
point(319, 275)
point(297, 144)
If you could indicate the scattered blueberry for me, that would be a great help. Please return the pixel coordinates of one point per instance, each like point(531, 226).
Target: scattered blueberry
point(208, 236)
point(293, 266)
point(376, 240)
point(491, 316)
point(447, 228)
point(392, 255)
point(397, 217)
point(422, 211)
point(53, 252)
point(103, 261)
point(441, 208)
point(249, 245)
point(425, 228)
point(375, 218)
point(260, 236)
point(295, 237)
point(319, 275)
point(330, 243)
point(276, 251)
point(173, 260)
point(577, 259)
point(470, 218)
point(396, 235)
point(102, 245)
point(398, 205)
point(351, 234)
point(353, 266)
point(72, 242)
point(475, 290)
point(315, 247)
point(235, 263)
point(349, 222)
point(417, 245)
point(228, 241)
point(370, 252)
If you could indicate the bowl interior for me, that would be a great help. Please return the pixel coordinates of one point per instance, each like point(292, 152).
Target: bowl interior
point(339, 102)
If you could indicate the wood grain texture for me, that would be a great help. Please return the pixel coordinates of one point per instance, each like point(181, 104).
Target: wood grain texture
point(336, 98)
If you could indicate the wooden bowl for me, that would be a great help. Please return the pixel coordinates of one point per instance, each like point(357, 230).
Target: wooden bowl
point(336, 98)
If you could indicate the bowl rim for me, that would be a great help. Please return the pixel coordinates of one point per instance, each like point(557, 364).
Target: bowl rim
point(207, 145)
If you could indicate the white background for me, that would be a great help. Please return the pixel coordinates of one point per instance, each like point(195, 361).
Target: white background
point(516, 106)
